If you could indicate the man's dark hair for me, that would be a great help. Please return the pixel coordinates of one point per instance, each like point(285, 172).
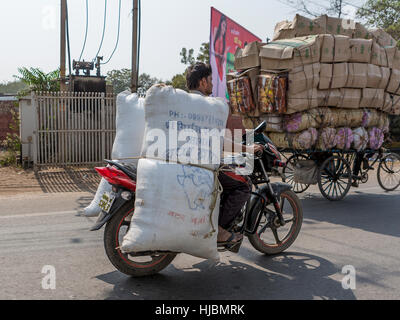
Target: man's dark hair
point(195, 73)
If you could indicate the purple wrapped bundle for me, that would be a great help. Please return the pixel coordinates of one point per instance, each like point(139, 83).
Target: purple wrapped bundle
point(293, 122)
point(327, 139)
point(306, 139)
point(314, 136)
point(344, 138)
point(376, 137)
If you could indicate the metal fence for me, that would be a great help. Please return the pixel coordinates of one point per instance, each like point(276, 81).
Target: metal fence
point(72, 128)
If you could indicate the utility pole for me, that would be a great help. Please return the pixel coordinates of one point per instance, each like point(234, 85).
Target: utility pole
point(62, 44)
point(134, 75)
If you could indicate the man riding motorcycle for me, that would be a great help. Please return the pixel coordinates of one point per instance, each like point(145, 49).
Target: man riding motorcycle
point(236, 189)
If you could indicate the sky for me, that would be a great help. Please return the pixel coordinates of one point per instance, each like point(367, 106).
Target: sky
point(30, 31)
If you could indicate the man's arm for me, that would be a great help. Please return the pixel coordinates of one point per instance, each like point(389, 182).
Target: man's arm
point(241, 147)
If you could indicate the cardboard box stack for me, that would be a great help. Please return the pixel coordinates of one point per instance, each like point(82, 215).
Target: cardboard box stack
point(323, 83)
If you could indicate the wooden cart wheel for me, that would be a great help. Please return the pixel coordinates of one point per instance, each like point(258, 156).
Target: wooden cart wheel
point(334, 178)
point(288, 173)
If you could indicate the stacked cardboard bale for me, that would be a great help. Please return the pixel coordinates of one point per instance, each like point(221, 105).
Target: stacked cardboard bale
point(323, 83)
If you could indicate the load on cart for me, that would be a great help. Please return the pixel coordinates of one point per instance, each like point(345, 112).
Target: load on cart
point(330, 94)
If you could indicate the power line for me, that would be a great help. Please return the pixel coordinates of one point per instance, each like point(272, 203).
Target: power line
point(104, 29)
point(87, 27)
point(119, 25)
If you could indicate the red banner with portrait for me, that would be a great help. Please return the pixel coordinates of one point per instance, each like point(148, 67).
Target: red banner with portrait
point(225, 37)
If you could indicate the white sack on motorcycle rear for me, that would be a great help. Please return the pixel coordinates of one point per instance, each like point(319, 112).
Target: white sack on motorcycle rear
point(130, 123)
point(172, 208)
point(128, 140)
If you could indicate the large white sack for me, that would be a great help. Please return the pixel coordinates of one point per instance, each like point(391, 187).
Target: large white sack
point(130, 123)
point(128, 140)
point(174, 115)
point(172, 208)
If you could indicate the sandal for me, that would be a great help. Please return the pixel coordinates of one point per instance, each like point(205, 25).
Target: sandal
point(230, 242)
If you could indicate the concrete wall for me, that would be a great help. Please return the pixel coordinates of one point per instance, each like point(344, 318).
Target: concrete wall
point(27, 127)
point(6, 118)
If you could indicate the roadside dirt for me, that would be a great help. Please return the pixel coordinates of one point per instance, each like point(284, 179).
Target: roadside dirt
point(18, 181)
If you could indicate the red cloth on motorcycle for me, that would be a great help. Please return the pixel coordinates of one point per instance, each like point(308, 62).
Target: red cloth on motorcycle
point(236, 177)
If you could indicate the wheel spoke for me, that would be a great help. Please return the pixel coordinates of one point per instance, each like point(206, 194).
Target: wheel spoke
point(262, 230)
point(335, 190)
point(330, 187)
point(340, 186)
point(275, 232)
point(344, 181)
point(327, 181)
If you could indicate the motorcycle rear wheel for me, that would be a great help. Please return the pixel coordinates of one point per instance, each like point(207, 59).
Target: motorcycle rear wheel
point(125, 263)
point(272, 242)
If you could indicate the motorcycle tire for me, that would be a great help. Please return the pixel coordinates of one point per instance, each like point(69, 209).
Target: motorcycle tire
point(268, 248)
point(124, 262)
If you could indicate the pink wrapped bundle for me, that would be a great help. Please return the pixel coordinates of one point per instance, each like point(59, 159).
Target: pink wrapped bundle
point(292, 122)
point(327, 139)
point(376, 137)
point(306, 139)
point(344, 138)
point(361, 139)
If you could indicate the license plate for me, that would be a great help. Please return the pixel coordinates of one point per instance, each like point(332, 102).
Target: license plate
point(106, 201)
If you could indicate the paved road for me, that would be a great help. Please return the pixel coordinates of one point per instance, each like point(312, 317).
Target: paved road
point(363, 231)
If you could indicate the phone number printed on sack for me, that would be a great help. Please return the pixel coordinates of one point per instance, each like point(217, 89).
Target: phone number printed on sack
point(210, 119)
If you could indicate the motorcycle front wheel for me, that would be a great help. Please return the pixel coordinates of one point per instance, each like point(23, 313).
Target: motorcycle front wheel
point(276, 239)
point(135, 266)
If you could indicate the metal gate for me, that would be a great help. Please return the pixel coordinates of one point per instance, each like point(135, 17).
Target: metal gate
point(73, 128)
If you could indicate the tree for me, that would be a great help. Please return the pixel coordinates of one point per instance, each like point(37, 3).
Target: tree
point(315, 9)
point(37, 80)
point(179, 81)
point(187, 58)
point(146, 82)
point(13, 87)
point(121, 81)
point(337, 7)
point(383, 14)
point(202, 56)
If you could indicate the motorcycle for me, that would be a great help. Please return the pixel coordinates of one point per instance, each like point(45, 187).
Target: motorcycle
point(271, 219)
